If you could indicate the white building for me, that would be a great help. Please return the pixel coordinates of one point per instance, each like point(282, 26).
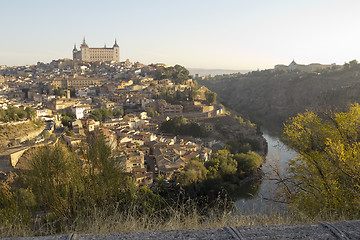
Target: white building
point(80, 111)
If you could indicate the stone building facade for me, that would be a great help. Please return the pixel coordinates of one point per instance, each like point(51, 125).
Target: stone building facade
point(104, 54)
point(293, 66)
point(77, 83)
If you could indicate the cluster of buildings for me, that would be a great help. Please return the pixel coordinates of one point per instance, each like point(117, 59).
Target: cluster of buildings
point(293, 66)
point(95, 79)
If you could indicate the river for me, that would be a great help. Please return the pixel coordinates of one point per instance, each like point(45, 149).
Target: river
point(253, 197)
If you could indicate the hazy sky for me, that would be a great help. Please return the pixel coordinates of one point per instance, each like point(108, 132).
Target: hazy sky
point(226, 34)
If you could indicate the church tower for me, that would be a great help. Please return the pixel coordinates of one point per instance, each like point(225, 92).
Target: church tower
point(85, 53)
point(75, 53)
point(116, 52)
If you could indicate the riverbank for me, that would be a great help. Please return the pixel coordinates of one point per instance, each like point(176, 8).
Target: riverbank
point(260, 192)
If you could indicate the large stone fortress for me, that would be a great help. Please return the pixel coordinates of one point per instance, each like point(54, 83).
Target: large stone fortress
point(293, 66)
point(96, 54)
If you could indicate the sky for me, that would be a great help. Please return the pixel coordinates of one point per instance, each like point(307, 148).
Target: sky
point(226, 34)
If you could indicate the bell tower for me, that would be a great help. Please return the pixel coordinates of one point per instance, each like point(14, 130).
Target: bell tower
point(75, 53)
point(116, 52)
point(85, 53)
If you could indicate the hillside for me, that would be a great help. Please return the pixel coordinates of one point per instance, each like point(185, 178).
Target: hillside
point(14, 133)
point(273, 97)
point(213, 72)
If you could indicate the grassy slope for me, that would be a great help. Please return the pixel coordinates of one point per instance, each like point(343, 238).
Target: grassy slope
point(10, 132)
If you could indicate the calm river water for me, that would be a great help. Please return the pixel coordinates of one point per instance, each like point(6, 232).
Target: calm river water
point(253, 197)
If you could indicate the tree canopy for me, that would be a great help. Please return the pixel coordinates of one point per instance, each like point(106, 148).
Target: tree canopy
point(66, 118)
point(15, 113)
point(102, 113)
point(59, 92)
point(210, 97)
point(178, 126)
point(326, 174)
point(177, 73)
point(223, 163)
point(193, 172)
point(68, 186)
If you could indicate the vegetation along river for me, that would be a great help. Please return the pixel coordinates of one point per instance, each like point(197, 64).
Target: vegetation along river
point(254, 196)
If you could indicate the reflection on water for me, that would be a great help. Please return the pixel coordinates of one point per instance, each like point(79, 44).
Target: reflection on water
point(247, 191)
point(254, 196)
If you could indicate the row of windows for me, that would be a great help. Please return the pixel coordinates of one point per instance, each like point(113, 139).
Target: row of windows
point(102, 51)
point(101, 55)
point(101, 58)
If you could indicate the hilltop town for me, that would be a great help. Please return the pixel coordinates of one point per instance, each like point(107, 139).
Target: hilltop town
point(128, 103)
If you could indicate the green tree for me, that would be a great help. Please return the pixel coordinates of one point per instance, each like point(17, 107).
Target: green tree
point(11, 113)
point(73, 92)
point(68, 187)
point(192, 94)
point(221, 164)
point(96, 115)
point(173, 125)
point(106, 113)
point(179, 126)
point(210, 97)
point(118, 112)
point(248, 162)
point(178, 74)
point(15, 203)
point(21, 113)
point(67, 117)
point(59, 92)
point(101, 114)
point(195, 85)
point(106, 181)
point(54, 178)
point(353, 63)
point(31, 113)
point(193, 172)
point(151, 112)
point(326, 174)
point(14, 113)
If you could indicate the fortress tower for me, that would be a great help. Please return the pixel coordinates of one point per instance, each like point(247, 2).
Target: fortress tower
point(96, 54)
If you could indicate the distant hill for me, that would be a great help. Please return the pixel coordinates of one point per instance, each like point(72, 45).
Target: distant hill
point(214, 72)
point(273, 96)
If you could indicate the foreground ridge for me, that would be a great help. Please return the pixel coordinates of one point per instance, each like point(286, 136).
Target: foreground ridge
point(343, 230)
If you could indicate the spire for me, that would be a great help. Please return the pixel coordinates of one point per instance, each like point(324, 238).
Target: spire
point(84, 43)
point(116, 45)
point(75, 49)
point(104, 45)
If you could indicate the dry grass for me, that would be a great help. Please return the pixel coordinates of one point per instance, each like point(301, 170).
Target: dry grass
point(99, 223)
point(183, 218)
